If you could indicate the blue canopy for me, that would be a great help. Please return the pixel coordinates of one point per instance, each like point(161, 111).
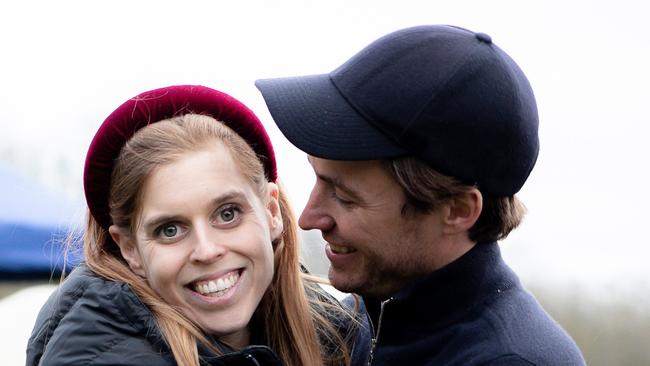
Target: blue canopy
point(34, 225)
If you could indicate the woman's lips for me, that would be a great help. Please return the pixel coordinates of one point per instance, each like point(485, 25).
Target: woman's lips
point(218, 286)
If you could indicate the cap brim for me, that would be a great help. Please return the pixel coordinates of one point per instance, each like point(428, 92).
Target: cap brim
point(316, 118)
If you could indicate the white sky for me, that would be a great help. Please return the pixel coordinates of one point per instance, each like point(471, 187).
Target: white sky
point(65, 65)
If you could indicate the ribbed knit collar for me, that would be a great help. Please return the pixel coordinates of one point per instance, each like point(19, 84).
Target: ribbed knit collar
point(449, 293)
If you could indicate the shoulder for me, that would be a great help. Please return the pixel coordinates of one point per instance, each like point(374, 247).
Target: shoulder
point(508, 360)
point(346, 313)
point(342, 310)
point(250, 355)
point(524, 332)
point(361, 332)
point(90, 320)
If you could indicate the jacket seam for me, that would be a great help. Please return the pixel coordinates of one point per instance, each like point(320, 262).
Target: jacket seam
point(508, 355)
point(53, 322)
point(115, 342)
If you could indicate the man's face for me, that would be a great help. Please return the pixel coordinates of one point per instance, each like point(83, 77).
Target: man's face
point(374, 249)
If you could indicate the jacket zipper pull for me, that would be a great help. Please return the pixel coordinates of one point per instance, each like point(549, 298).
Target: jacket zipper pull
point(375, 334)
point(373, 342)
point(251, 358)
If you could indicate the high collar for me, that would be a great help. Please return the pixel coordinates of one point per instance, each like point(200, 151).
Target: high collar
point(450, 292)
point(140, 316)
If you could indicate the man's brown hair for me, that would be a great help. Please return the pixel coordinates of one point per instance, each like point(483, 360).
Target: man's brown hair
point(426, 189)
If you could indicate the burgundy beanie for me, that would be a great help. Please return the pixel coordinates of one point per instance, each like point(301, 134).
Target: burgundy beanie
point(157, 105)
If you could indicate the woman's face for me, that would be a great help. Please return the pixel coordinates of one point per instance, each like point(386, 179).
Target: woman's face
point(203, 241)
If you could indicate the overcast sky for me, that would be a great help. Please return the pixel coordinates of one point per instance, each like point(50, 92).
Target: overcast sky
point(65, 65)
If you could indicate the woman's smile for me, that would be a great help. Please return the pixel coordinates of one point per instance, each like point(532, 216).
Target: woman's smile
point(220, 292)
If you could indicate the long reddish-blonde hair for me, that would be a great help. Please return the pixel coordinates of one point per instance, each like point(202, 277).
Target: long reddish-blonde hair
point(296, 326)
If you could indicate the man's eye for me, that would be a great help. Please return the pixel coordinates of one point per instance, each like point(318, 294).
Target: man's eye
point(342, 201)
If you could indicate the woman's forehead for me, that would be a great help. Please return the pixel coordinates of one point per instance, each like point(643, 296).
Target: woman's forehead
point(196, 176)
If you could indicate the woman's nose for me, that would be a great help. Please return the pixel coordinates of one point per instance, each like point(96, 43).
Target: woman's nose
point(208, 246)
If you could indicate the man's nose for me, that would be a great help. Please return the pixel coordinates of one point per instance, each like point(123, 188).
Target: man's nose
point(316, 214)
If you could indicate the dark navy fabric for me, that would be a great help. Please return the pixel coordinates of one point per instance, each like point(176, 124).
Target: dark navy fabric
point(474, 311)
point(361, 334)
point(91, 321)
point(445, 95)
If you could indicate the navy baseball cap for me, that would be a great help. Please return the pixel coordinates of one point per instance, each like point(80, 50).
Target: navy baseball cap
point(445, 95)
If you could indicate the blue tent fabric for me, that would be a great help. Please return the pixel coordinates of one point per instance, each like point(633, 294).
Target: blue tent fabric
point(30, 250)
point(34, 225)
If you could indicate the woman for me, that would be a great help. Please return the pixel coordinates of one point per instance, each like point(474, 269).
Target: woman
point(191, 248)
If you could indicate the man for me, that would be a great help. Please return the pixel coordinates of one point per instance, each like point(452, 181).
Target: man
point(419, 143)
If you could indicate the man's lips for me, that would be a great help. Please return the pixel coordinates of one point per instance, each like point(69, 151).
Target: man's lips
point(341, 249)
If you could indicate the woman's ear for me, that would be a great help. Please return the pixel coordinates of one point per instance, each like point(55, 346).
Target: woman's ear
point(128, 249)
point(463, 211)
point(273, 206)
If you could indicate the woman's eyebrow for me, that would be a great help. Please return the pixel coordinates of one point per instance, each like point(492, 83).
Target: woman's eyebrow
point(151, 224)
point(231, 195)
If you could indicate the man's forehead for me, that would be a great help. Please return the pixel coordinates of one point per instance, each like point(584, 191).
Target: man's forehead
point(348, 171)
point(343, 164)
point(326, 169)
point(333, 169)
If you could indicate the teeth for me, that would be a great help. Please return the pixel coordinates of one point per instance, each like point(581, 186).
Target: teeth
point(212, 287)
point(338, 249)
point(217, 287)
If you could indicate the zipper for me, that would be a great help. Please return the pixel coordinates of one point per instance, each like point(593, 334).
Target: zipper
point(375, 337)
point(251, 358)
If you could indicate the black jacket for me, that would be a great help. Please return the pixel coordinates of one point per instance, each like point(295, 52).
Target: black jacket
point(91, 321)
point(474, 311)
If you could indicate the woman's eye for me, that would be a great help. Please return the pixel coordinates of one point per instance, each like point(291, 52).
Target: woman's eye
point(228, 214)
point(168, 231)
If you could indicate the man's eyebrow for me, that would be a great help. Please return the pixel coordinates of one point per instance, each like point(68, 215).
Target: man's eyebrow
point(338, 183)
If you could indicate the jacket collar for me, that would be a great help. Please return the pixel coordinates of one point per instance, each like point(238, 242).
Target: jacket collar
point(450, 292)
point(141, 316)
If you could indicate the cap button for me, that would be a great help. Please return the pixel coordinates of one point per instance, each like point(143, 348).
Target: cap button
point(484, 38)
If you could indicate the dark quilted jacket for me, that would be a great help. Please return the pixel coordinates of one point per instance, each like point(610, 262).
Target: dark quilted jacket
point(91, 321)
